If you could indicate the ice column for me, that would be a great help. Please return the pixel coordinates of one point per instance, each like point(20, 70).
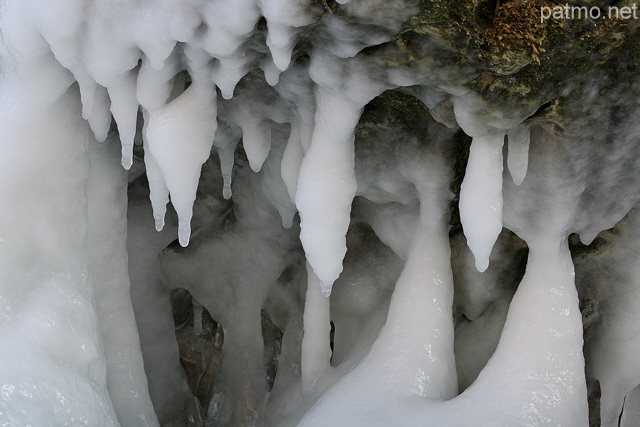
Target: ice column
point(316, 350)
point(108, 268)
point(481, 196)
point(541, 383)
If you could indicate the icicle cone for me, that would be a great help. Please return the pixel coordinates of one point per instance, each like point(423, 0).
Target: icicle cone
point(518, 158)
point(180, 136)
point(327, 185)
point(124, 107)
point(481, 196)
point(256, 139)
point(158, 191)
point(226, 139)
point(100, 118)
point(280, 41)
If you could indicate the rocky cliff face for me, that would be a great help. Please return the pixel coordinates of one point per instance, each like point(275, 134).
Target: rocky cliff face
point(383, 212)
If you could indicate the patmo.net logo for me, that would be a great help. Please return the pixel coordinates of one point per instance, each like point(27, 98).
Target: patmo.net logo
point(585, 12)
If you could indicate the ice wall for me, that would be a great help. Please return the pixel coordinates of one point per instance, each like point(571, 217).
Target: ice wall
point(362, 173)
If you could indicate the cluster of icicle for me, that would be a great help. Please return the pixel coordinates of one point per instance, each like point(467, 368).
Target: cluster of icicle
point(128, 57)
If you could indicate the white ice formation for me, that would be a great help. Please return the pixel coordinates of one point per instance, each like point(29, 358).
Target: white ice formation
point(317, 155)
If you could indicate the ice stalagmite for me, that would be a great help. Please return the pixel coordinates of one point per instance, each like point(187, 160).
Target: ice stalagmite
point(327, 185)
point(413, 356)
point(536, 375)
point(316, 350)
point(481, 196)
point(179, 136)
point(518, 158)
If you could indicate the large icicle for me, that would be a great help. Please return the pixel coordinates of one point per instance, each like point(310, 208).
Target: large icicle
point(327, 185)
point(518, 158)
point(179, 136)
point(481, 196)
point(124, 106)
point(316, 349)
point(158, 191)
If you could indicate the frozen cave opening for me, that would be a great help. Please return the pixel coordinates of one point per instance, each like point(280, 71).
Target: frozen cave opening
point(311, 213)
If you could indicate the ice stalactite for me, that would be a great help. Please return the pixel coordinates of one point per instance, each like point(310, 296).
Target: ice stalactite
point(108, 269)
point(158, 191)
point(256, 139)
point(226, 139)
point(124, 107)
point(518, 158)
point(327, 185)
point(316, 350)
point(481, 196)
point(100, 118)
point(179, 136)
point(283, 17)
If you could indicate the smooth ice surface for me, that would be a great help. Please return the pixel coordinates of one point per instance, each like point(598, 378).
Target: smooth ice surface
point(481, 196)
point(108, 267)
point(327, 185)
point(179, 136)
point(316, 350)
